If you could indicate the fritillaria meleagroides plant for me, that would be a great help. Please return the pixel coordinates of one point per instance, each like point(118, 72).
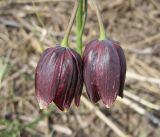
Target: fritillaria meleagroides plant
point(61, 71)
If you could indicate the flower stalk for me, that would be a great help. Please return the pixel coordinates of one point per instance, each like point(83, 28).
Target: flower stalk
point(80, 23)
point(64, 42)
point(103, 35)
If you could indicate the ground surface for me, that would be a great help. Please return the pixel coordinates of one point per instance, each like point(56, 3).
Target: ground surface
point(27, 27)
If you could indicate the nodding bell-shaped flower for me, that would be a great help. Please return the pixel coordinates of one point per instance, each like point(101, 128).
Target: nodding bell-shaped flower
point(104, 71)
point(59, 77)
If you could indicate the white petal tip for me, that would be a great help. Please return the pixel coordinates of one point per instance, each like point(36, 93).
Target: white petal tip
point(108, 106)
point(65, 110)
point(42, 104)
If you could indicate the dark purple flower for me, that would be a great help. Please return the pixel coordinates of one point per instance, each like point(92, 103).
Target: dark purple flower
point(104, 71)
point(59, 77)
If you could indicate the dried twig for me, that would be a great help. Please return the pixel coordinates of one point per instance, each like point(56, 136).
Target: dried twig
point(140, 110)
point(6, 2)
point(107, 121)
point(63, 129)
point(141, 101)
point(18, 73)
point(142, 78)
point(145, 41)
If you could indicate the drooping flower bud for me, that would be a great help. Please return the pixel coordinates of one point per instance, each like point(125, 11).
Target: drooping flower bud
point(104, 71)
point(59, 77)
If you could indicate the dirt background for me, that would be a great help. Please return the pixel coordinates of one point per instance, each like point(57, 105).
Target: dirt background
point(27, 27)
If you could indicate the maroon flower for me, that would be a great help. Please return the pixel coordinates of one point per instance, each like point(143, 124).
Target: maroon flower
point(104, 71)
point(59, 77)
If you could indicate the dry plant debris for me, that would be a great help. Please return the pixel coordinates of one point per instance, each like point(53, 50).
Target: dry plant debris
point(29, 27)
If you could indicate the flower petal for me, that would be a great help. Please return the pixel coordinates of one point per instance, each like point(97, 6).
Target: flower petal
point(45, 78)
point(107, 73)
point(90, 62)
point(66, 88)
point(123, 67)
point(79, 67)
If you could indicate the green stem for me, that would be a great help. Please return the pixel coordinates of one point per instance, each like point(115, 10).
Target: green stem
point(80, 24)
point(64, 42)
point(103, 34)
point(79, 21)
point(84, 16)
